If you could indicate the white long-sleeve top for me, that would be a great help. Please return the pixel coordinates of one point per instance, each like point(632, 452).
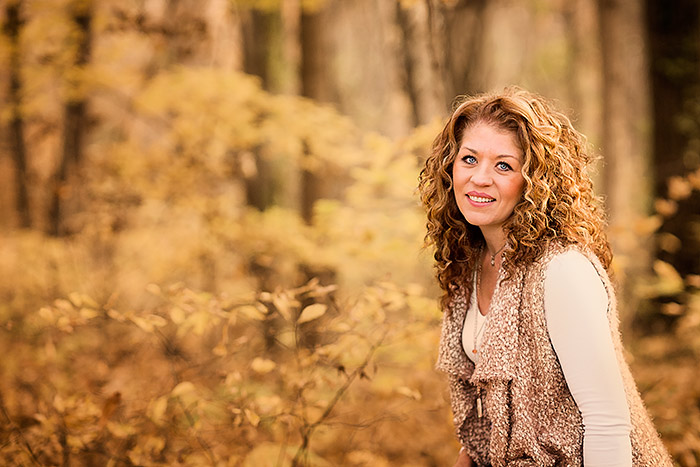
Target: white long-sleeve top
point(576, 306)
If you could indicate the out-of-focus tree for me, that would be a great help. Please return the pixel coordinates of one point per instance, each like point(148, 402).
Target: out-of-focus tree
point(458, 33)
point(75, 117)
point(243, 216)
point(419, 61)
point(626, 138)
point(584, 75)
point(12, 29)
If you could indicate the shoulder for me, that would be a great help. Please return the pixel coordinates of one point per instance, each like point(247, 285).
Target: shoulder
point(557, 254)
point(567, 263)
point(570, 261)
point(573, 274)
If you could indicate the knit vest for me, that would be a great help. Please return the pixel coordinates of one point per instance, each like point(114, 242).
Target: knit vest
point(530, 417)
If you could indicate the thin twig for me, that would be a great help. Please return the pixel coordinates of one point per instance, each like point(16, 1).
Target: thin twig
point(19, 432)
point(190, 420)
point(308, 430)
point(347, 383)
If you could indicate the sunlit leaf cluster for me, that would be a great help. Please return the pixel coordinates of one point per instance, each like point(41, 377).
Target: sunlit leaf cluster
point(180, 321)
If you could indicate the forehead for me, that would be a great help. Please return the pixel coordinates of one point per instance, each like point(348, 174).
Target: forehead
point(483, 136)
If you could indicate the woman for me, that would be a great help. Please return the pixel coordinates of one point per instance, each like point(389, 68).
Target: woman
point(530, 337)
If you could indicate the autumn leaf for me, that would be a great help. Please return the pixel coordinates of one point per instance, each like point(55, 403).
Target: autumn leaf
point(120, 430)
point(220, 349)
point(268, 404)
point(262, 365)
point(116, 315)
point(156, 320)
point(109, 406)
point(47, 314)
point(283, 305)
point(177, 315)
point(679, 188)
point(154, 289)
point(408, 392)
point(252, 312)
point(76, 299)
point(312, 312)
point(252, 417)
point(157, 408)
point(59, 404)
point(88, 313)
point(182, 389)
point(64, 324)
point(63, 305)
point(142, 323)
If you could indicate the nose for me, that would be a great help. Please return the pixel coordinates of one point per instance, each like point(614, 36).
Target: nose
point(482, 175)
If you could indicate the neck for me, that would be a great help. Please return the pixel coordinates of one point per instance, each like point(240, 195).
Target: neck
point(495, 240)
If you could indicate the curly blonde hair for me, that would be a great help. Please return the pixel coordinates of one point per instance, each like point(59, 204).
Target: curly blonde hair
point(557, 204)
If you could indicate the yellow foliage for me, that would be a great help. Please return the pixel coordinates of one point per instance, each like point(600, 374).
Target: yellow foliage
point(241, 336)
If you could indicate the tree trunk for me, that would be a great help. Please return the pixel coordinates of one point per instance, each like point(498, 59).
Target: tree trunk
point(186, 32)
point(626, 139)
point(256, 26)
point(74, 121)
point(317, 78)
point(318, 83)
point(457, 32)
point(584, 75)
point(12, 30)
point(422, 81)
point(291, 47)
point(259, 183)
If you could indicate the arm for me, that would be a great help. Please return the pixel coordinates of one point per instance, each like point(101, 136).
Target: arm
point(576, 311)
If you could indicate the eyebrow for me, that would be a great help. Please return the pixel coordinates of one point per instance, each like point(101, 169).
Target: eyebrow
point(499, 156)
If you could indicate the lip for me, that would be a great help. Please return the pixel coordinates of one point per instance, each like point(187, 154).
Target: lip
point(476, 194)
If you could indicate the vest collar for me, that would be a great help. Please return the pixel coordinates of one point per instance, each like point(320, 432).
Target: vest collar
point(499, 345)
point(500, 339)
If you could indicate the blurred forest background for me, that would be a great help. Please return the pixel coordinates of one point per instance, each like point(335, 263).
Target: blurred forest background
point(210, 239)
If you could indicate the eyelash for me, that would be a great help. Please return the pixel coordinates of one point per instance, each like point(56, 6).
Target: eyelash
point(472, 160)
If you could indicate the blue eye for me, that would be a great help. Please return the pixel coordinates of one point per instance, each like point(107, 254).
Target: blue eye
point(469, 159)
point(504, 166)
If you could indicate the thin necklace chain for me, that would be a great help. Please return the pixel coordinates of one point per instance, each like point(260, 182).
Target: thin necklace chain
point(493, 256)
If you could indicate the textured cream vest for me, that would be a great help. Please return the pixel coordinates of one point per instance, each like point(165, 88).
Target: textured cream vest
point(529, 416)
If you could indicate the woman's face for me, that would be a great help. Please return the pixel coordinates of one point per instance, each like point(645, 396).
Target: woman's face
point(487, 175)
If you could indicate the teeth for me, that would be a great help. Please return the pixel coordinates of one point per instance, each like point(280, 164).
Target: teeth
point(478, 199)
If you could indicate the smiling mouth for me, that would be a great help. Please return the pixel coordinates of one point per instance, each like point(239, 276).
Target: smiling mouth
point(480, 199)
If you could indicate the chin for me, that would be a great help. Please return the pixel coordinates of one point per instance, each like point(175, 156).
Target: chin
point(477, 221)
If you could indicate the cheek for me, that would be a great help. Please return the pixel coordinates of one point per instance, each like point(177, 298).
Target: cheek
point(457, 178)
point(517, 190)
